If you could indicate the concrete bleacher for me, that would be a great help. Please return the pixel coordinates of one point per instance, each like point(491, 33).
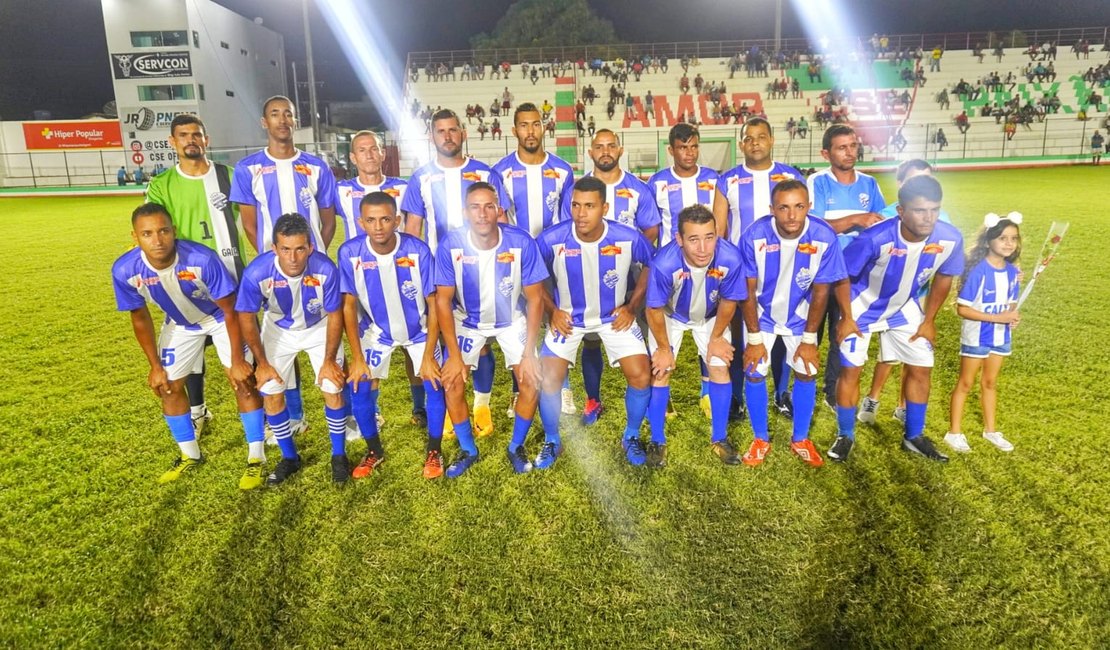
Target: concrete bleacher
point(1059, 137)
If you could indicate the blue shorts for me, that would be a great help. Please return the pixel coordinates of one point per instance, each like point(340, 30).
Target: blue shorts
point(983, 351)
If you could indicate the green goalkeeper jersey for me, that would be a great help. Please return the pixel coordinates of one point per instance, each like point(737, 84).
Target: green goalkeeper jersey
point(200, 211)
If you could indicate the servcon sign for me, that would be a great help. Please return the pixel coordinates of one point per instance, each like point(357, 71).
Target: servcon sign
point(152, 65)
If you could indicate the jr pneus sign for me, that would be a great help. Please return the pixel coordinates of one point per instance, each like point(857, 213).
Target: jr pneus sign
point(151, 65)
point(142, 118)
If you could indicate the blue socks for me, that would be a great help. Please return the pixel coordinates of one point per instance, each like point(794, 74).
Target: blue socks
point(294, 403)
point(254, 425)
point(592, 365)
point(636, 402)
point(418, 395)
point(915, 419)
point(279, 424)
point(520, 431)
point(720, 398)
point(550, 409)
point(181, 426)
point(845, 421)
point(337, 429)
point(437, 411)
point(465, 433)
point(805, 399)
point(483, 374)
point(363, 402)
point(756, 394)
point(657, 413)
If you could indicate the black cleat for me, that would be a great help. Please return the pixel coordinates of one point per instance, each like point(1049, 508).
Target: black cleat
point(419, 417)
point(785, 406)
point(286, 467)
point(840, 449)
point(657, 455)
point(340, 468)
point(924, 447)
point(726, 452)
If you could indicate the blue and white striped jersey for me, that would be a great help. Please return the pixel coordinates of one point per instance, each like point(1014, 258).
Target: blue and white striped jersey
point(291, 303)
point(673, 193)
point(393, 288)
point(991, 291)
point(349, 195)
point(534, 191)
point(691, 294)
point(302, 184)
point(438, 196)
point(186, 290)
point(748, 193)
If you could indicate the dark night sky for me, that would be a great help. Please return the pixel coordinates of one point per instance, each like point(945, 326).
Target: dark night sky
point(53, 52)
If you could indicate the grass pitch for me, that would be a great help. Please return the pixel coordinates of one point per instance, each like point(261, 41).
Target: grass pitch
point(992, 550)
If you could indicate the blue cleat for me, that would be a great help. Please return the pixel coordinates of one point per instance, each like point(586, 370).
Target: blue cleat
point(519, 461)
point(634, 451)
point(461, 464)
point(548, 454)
point(592, 412)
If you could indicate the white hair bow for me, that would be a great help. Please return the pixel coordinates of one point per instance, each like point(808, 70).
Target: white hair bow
point(992, 219)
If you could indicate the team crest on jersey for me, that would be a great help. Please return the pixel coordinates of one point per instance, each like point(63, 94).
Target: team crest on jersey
point(864, 200)
point(804, 278)
point(932, 249)
point(471, 176)
point(706, 185)
point(625, 217)
point(505, 287)
point(506, 257)
point(716, 273)
point(303, 169)
point(623, 193)
point(924, 277)
point(611, 278)
point(610, 250)
point(713, 295)
point(311, 281)
point(201, 293)
point(314, 306)
point(405, 262)
point(552, 200)
point(807, 249)
point(218, 200)
point(186, 275)
point(408, 289)
point(306, 197)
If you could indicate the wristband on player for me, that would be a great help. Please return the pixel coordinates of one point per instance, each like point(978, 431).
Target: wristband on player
point(753, 338)
point(809, 338)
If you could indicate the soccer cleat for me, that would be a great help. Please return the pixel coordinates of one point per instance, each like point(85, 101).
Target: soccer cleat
point(756, 452)
point(369, 463)
point(706, 409)
point(900, 414)
point(958, 442)
point(657, 455)
point(352, 430)
point(923, 447)
point(285, 468)
point(419, 417)
point(592, 412)
point(462, 463)
point(784, 404)
point(840, 449)
point(672, 413)
point(738, 414)
point(433, 464)
point(807, 452)
point(181, 465)
point(868, 409)
point(483, 421)
point(830, 402)
point(996, 439)
point(200, 422)
point(519, 460)
point(297, 427)
point(568, 407)
point(549, 453)
point(252, 478)
point(634, 451)
point(340, 468)
point(511, 411)
point(726, 452)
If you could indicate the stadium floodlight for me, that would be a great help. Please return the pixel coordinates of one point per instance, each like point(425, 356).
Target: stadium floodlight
point(826, 24)
point(374, 61)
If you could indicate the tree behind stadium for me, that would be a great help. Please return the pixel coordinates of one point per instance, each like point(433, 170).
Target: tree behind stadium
point(546, 23)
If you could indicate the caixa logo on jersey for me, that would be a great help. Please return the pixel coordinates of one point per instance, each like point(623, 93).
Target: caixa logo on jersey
point(152, 65)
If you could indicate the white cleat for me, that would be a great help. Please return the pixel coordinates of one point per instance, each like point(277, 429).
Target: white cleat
point(200, 422)
point(568, 402)
point(511, 412)
point(868, 409)
point(352, 430)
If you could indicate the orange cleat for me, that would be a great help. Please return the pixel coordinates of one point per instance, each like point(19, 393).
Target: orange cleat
point(807, 452)
point(756, 453)
point(433, 465)
point(369, 463)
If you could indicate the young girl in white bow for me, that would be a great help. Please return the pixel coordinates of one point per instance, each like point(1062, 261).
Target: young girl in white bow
point(987, 304)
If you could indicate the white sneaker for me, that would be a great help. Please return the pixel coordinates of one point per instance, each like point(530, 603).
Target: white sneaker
point(200, 422)
point(900, 414)
point(996, 439)
point(568, 402)
point(868, 408)
point(352, 430)
point(958, 442)
point(511, 412)
point(297, 427)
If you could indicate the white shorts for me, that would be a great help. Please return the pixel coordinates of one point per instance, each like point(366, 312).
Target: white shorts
point(510, 338)
point(702, 333)
point(894, 346)
point(618, 345)
point(378, 354)
point(282, 347)
point(182, 350)
point(791, 343)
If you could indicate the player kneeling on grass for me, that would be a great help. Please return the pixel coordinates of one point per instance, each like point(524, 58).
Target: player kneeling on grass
point(887, 265)
point(790, 262)
point(298, 287)
point(191, 285)
point(483, 274)
point(389, 274)
point(591, 261)
point(695, 283)
point(987, 303)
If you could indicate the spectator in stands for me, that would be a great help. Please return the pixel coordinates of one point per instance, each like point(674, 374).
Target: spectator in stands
point(684, 84)
point(535, 76)
point(546, 108)
point(611, 108)
point(1097, 143)
point(999, 52)
point(550, 126)
point(139, 176)
point(795, 89)
point(649, 104)
point(579, 110)
point(685, 63)
point(698, 83)
point(792, 127)
point(591, 127)
point(121, 175)
point(469, 114)
point(1011, 127)
point(934, 59)
point(803, 127)
point(898, 141)
point(495, 129)
point(814, 70)
point(962, 122)
point(506, 101)
point(581, 128)
point(629, 107)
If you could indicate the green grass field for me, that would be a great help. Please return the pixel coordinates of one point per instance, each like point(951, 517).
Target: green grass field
point(991, 550)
